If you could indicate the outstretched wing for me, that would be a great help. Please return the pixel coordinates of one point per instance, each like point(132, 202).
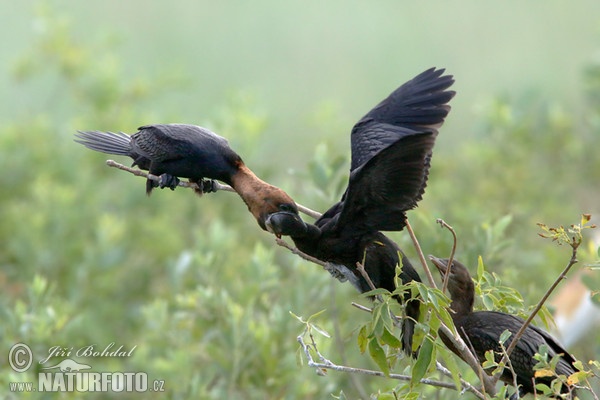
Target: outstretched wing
point(419, 105)
point(391, 153)
point(381, 190)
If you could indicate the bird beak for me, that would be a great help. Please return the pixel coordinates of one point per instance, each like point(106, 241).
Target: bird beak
point(439, 264)
point(285, 223)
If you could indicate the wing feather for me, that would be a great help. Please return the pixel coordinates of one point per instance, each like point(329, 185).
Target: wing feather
point(391, 155)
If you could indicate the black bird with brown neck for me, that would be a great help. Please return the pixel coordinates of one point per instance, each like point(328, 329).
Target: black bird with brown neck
point(174, 151)
point(481, 330)
point(391, 152)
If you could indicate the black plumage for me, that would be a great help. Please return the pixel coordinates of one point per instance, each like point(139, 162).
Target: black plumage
point(174, 151)
point(481, 330)
point(391, 152)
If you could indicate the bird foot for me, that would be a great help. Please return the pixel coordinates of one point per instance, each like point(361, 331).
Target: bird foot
point(205, 186)
point(169, 181)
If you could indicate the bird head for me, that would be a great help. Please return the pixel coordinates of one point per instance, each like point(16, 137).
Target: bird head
point(460, 285)
point(286, 222)
point(459, 280)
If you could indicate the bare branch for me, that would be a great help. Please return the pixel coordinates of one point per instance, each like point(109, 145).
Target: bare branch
point(365, 275)
point(539, 305)
point(420, 254)
point(451, 258)
point(466, 386)
point(361, 307)
point(325, 364)
point(216, 186)
point(489, 384)
point(299, 253)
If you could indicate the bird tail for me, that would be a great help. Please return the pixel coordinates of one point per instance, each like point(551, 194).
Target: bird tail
point(105, 142)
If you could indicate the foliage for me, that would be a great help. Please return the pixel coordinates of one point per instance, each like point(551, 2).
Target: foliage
point(202, 294)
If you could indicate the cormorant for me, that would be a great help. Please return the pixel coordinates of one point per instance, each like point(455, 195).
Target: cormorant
point(391, 152)
point(481, 331)
point(188, 151)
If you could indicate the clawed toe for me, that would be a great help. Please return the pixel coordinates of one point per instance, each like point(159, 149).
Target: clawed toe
point(207, 186)
point(169, 181)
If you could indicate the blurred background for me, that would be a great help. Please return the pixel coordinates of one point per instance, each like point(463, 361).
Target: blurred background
point(193, 283)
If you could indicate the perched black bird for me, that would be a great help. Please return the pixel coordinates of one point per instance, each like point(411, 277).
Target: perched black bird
point(391, 152)
point(482, 329)
point(188, 151)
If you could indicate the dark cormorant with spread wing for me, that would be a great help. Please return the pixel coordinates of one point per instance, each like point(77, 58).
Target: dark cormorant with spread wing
point(391, 152)
point(481, 330)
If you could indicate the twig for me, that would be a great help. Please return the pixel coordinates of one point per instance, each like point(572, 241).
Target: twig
point(361, 307)
point(465, 385)
point(540, 304)
point(144, 174)
point(365, 275)
point(341, 344)
point(511, 369)
point(489, 384)
point(451, 259)
point(326, 364)
point(301, 254)
point(216, 185)
point(339, 272)
point(367, 278)
point(420, 254)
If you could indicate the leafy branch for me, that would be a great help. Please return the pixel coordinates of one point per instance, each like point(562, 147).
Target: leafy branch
point(573, 237)
point(323, 364)
point(333, 269)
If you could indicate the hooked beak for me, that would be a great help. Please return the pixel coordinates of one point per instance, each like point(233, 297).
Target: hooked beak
point(285, 223)
point(440, 264)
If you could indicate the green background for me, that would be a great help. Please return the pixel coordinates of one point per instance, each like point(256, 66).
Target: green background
point(204, 294)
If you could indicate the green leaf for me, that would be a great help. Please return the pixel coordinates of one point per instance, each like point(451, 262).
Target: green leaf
point(544, 389)
point(363, 339)
point(423, 362)
point(297, 317)
point(376, 322)
point(320, 330)
point(375, 292)
point(452, 365)
point(386, 317)
point(378, 355)
point(315, 315)
point(504, 336)
point(480, 268)
point(489, 360)
point(387, 396)
point(388, 338)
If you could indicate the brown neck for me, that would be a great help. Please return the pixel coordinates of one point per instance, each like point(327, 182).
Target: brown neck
point(260, 197)
point(247, 185)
